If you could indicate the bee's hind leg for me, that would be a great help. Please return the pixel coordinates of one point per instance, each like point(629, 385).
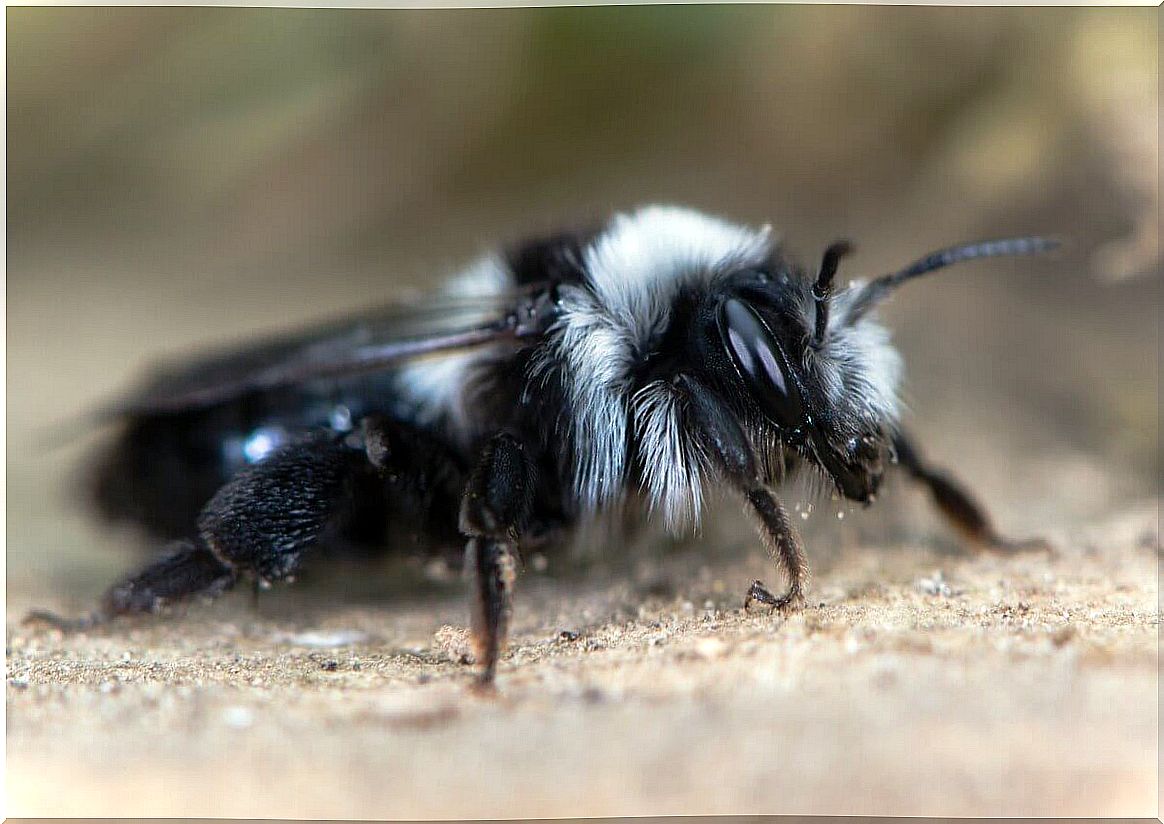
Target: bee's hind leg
point(182, 569)
point(258, 525)
point(957, 504)
point(494, 512)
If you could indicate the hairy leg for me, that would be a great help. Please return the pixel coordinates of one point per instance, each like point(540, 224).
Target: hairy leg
point(724, 440)
point(183, 568)
point(494, 512)
point(263, 521)
point(259, 524)
point(956, 503)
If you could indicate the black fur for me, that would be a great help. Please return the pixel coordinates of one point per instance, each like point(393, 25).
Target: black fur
point(266, 516)
point(557, 258)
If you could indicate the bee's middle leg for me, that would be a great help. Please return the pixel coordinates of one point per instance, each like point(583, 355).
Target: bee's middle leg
point(494, 512)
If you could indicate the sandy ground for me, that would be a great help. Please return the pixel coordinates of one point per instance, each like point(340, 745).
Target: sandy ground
point(917, 682)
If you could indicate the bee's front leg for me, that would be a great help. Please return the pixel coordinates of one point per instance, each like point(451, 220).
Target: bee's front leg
point(494, 512)
point(957, 504)
point(785, 546)
point(725, 441)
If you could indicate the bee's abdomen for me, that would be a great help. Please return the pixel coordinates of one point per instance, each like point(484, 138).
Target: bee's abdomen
point(159, 470)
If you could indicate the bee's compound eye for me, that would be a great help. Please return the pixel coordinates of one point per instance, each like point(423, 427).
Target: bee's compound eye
point(755, 355)
point(750, 346)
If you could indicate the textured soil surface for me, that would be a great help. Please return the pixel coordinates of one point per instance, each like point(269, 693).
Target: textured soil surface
point(916, 682)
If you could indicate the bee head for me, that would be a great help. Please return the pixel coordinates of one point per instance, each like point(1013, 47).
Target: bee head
point(836, 402)
point(819, 366)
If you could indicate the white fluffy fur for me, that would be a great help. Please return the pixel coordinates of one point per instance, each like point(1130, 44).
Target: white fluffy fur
point(635, 269)
point(675, 464)
point(857, 365)
point(433, 387)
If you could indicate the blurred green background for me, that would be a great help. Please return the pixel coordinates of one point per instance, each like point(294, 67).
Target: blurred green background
point(179, 177)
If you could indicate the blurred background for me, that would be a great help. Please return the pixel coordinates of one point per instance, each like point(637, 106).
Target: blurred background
point(179, 178)
point(182, 177)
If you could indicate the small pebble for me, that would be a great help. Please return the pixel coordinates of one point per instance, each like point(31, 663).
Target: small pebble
point(454, 642)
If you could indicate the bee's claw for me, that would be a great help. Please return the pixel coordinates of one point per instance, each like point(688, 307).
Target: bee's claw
point(759, 594)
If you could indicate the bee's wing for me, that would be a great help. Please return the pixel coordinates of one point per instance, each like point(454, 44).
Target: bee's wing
point(365, 342)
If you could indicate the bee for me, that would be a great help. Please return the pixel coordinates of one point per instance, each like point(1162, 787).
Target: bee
point(630, 365)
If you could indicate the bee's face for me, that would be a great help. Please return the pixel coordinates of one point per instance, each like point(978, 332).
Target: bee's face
point(826, 401)
point(858, 465)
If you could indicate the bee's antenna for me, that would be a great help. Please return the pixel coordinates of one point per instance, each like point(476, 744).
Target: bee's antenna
point(822, 290)
point(1007, 247)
